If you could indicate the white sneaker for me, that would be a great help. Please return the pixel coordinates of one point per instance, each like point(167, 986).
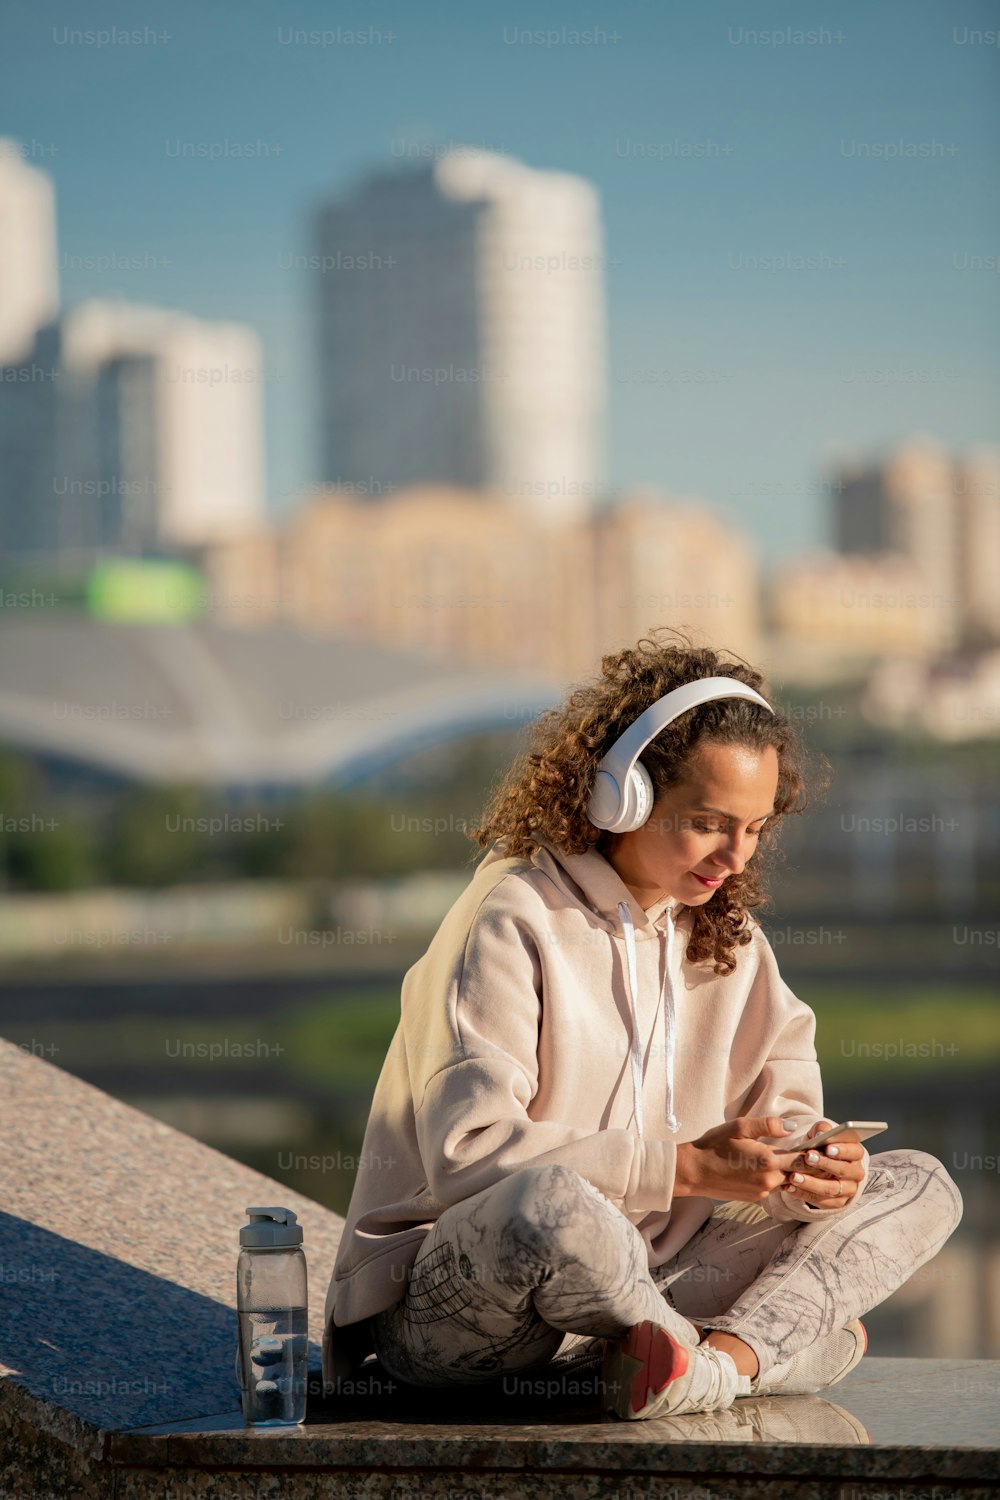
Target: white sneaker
point(822, 1364)
point(649, 1374)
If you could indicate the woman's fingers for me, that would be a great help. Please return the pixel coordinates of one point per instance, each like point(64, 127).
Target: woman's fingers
point(816, 1199)
point(816, 1187)
point(836, 1166)
point(832, 1191)
point(829, 1181)
point(820, 1188)
point(843, 1150)
point(825, 1177)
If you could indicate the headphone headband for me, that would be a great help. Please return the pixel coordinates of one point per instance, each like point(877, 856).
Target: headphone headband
point(622, 795)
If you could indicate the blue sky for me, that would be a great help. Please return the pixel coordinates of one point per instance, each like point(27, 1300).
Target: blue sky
point(733, 375)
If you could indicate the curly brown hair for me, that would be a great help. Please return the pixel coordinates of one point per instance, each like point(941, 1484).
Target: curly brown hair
point(544, 795)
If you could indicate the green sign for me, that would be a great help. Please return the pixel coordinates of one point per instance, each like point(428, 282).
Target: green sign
point(146, 589)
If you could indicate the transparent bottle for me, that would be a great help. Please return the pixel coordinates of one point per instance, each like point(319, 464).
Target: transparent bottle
point(272, 1305)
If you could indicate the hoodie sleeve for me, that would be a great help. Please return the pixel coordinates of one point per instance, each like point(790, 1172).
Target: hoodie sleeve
point(479, 1050)
point(789, 1084)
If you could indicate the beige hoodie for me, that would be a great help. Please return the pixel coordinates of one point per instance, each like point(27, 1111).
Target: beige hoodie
point(552, 1019)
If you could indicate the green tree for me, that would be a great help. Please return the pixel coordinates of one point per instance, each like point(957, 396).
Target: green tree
point(154, 838)
point(52, 859)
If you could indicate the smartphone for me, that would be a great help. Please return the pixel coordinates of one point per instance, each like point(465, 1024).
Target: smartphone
point(851, 1130)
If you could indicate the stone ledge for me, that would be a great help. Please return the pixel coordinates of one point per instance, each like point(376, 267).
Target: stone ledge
point(796, 1435)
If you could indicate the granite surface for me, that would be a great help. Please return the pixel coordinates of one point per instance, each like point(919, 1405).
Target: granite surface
point(118, 1245)
point(901, 1420)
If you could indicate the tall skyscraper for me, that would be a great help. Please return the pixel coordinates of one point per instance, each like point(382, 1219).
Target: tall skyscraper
point(29, 282)
point(462, 332)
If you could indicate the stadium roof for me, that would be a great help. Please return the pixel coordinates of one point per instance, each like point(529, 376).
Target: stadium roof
point(231, 708)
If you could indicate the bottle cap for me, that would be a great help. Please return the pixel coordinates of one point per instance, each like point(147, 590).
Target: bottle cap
point(271, 1229)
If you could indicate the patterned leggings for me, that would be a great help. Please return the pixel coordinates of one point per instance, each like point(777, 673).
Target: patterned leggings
point(541, 1263)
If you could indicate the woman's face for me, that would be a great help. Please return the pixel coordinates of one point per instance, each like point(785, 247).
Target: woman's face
point(703, 830)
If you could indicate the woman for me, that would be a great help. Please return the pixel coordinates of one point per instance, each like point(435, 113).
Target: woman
point(568, 1139)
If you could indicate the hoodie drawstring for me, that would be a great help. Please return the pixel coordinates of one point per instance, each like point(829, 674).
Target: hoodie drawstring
point(670, 1025)
point(633, 986)
point(669, 1020)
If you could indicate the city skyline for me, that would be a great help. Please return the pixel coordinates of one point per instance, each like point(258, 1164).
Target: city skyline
point(743, 357)
point(173, 460)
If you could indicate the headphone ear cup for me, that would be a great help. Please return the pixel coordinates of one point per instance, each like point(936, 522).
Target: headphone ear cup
point(605, 800)
point(639, 798)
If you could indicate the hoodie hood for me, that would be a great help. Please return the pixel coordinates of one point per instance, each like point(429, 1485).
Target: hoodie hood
point(597, 886)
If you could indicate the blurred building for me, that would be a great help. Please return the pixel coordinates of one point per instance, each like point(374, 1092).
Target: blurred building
point(977, 493)
point(953, 699)
point(97, 704)
point(29, 406)
point(467, 576)
point(446, 573)
point(901, 504)
point(173, 415)
point(135, 430)
point(942, 516)
point(674, 562)
point(828, 613)
point(462, 339)
point(35, 438)
point(912, 599)
point(29, 281)
point(122, 428)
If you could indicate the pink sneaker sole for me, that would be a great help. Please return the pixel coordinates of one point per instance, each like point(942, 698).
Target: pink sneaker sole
point(641, 1365)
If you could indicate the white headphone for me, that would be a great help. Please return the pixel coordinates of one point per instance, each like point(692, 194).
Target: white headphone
point(622, 799)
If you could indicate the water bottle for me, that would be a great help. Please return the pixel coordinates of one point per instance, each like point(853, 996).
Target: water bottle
point(271, 1302)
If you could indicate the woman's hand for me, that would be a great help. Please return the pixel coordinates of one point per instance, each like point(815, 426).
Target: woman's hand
point(729, 1161)
point(830, 1179)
